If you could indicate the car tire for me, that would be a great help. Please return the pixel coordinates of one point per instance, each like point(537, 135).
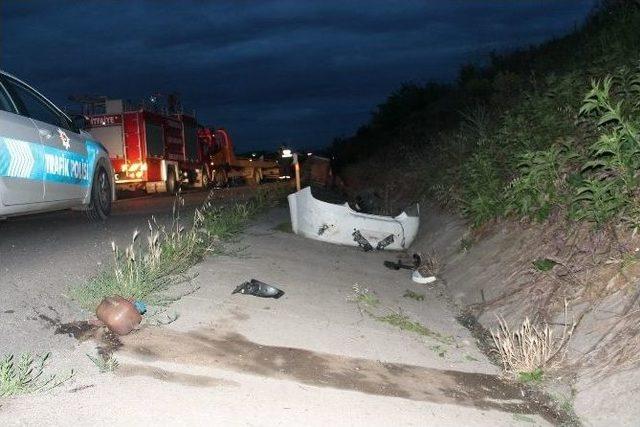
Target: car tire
point(172, 185)
point(101, 196)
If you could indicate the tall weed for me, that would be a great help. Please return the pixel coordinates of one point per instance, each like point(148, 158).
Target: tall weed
point(482, 189)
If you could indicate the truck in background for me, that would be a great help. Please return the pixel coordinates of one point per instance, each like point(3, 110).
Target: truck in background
point(224, 167)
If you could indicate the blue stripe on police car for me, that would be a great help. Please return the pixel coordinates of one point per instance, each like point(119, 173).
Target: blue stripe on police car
point(23, 159)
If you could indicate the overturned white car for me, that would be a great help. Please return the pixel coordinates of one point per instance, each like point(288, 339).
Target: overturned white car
point(342, 225)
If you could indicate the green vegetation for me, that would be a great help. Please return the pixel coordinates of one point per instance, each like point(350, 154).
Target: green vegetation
point(544, 264)
point(549, 130)
point(363, 297)
point(369, 304)
point(104, 363)
point(441, 352)
point(465, 244)
point(27, 375)
point(406, 324)
point(146, 272)
point(534, 376)
point(413, 295)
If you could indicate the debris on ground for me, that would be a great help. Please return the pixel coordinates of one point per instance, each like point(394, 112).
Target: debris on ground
point(423, 269)
point(361, 241)
point(140, 306)
point(427, 267)
point(336, 223)
point(398, 265)
point(368, 202)
point(417, 277)
point(258, 289)
point(120, 315)
point(385, 242)
point(417, 261)
point(413, 295)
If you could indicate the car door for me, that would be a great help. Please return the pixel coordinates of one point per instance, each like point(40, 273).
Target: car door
point(21, 160)
point(65, 164)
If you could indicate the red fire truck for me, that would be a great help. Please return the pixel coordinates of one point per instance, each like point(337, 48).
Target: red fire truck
point(149, 150)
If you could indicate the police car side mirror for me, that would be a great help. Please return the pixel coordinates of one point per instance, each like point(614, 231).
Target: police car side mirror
point(80, 121)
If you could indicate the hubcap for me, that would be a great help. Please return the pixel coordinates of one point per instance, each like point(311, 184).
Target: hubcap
point(104, 192)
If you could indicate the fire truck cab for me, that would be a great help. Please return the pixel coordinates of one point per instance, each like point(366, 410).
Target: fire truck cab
point(149, 148)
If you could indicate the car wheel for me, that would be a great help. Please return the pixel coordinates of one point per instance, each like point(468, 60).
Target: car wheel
point(101, 196)
point(171, 183)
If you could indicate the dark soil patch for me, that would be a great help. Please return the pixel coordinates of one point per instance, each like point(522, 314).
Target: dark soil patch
point(82, 330)
point(234, 352)
point(170, 376)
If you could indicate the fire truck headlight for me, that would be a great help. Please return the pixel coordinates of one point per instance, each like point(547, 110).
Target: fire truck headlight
point(123, 168)
point(144, 167)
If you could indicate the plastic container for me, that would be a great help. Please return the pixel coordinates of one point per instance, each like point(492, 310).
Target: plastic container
point(118, 314)
point(419, 278)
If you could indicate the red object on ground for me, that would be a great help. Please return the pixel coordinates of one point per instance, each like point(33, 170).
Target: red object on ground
point(119, 314)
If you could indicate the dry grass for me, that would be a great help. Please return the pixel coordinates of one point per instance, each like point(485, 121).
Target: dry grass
point(148, 270)
point(430, 264)
point(530, 348)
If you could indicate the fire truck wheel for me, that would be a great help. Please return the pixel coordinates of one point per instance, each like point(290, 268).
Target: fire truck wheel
point(206, 182)
point(220, 179)
point(171, 183)
point(100, 206)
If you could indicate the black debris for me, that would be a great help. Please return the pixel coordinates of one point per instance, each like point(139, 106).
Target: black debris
point(384, 242)
point(361, 241)
point(258, 289)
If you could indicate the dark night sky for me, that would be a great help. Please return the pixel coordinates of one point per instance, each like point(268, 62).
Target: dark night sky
point(298, 72)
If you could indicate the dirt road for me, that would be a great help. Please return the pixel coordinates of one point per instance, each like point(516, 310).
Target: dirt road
point(311, 357)
point(42, 255)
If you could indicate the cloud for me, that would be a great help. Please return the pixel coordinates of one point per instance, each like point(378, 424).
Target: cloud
point(270, 71)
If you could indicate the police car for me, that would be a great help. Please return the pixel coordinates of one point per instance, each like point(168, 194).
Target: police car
point(47, 162)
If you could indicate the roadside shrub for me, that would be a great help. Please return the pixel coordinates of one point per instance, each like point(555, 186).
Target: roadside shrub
point(519, 136)
point(610, 174)
point(482, 189)
point(540, 184)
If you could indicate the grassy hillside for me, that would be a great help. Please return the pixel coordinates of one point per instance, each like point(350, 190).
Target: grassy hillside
point(554, 129)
